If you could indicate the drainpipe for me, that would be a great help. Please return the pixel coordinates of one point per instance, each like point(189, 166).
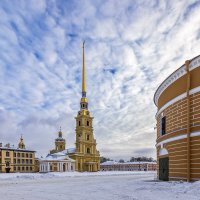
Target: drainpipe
point(187, 62)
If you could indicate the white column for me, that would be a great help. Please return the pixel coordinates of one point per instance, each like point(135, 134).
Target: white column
point(42, 167)
point(48, 168)
point(58, 164)
point(70, 168)
point(61, 167)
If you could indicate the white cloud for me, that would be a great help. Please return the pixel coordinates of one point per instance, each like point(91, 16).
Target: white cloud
point(130, 49)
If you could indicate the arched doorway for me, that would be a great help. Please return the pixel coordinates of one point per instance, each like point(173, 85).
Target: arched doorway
point(7, 167)
point(163, 165)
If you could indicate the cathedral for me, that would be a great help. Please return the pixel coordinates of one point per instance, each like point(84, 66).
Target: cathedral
point(85, 154)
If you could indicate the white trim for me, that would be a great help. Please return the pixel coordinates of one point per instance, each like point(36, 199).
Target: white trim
point(196, 133)
point(193, 134)
point(178, 98)
point(175, 76)
point(172, 139)
point(163, 152)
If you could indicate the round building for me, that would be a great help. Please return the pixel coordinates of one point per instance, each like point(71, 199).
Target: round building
point(178, 123)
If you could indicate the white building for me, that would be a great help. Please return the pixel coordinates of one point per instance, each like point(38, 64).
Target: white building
point(57, 162)
point(128, 166)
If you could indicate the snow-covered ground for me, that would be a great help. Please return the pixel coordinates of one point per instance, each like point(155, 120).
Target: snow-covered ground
point(100, 185)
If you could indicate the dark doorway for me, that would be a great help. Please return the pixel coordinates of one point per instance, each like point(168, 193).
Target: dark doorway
point(164, 169)
point(64, 167)
point(8, 170)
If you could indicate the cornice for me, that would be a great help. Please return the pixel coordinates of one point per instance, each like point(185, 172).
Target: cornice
point(195, 62)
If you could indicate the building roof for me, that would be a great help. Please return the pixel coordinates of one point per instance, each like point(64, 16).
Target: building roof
point(125, 163)
point(67, 151)
point(15, 149)
point(60, 156)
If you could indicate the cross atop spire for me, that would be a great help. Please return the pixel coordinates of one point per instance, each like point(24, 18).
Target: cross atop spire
point(83, 73)
point(60, 133)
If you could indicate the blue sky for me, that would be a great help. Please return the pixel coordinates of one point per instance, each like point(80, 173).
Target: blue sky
point(131, 47)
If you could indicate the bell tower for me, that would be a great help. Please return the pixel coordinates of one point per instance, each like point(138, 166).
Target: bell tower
point(87, 157)
point(21, 144)
point(60, 143)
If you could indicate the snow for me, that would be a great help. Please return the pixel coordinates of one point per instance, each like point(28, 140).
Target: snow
point(99, 185)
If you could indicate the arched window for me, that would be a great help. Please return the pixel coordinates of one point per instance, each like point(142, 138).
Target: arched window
point(79, 123)
point(88, 123)
point(88, 137)
point(7, 164)
point(88, 150)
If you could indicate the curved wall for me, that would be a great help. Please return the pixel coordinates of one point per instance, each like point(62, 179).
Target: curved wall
point(182, 115)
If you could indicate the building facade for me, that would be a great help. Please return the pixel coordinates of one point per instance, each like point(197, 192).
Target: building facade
point(128, 166)
point(16, 159)
point(178, 123)
point(86, 155)
point(57, 162)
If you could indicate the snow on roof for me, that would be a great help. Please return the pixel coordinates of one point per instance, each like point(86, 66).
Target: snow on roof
point(110, 162)
point(126, 163)
point(56, 157)
point(15, 149)
point(62, 155)
point(70, 150)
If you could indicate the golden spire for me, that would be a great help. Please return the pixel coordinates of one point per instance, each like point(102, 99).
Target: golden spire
point(83, 74)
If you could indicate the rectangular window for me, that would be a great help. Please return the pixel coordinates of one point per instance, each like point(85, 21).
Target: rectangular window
point(14, 154)
point(27, 155)
point(23, 155)
point(30, 168)
point(22, 168)
point(31, 162)
point(88, 137)
point(163, 126)
point(18, 154)
point(26, 168)
point(26, 161)
point(18, 168)
point(31, 155)
point(7, 154)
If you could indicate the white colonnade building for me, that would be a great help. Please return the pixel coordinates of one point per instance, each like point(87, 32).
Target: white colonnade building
point(57, 162)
